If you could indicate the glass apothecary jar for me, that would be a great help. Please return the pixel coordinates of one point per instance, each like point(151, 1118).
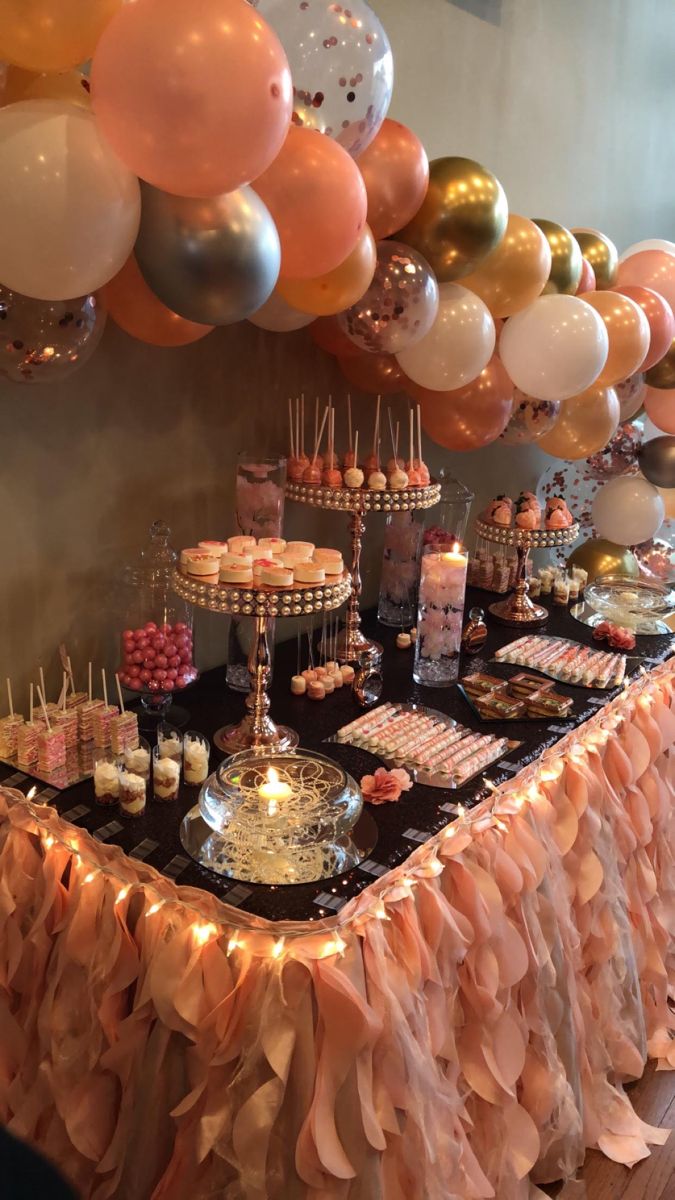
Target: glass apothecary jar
point(448, 520)
point(156, 629)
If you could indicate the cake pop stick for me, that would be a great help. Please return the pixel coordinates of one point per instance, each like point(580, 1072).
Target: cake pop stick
point(42, 681)
point(302, 424)
point(425, 477)
point(9, 697)
point(349, 419)
point(370, 463)
point(331, 475)
point(91, 691)
point(377, 479)
point(397, 477)
point(43, 706)
point(30, 705)
point(312, 473)
point(290, 422)
point(119, 693)
point(105, 687)
point(413, 471)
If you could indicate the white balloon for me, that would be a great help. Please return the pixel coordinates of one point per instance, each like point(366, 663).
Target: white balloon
point(279, 317)
point(69, 209)
point(555, 348)
point(628, 510)
point(459, 344)
point(648, 244)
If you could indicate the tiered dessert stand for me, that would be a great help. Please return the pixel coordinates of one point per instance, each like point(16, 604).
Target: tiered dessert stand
point(517, 609)
point(257, 729)
point(358, 502)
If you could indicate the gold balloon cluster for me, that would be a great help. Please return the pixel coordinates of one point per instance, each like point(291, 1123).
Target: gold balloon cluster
point(601, 254)
point(600, 557)
point(462, 218)
point(566, 259)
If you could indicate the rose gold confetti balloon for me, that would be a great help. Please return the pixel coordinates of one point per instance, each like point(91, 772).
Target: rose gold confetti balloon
point(400, 305)
point(44, 341)
point(341, 64)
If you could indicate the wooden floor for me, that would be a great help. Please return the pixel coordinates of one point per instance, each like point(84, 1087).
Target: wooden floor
point(653, 1097)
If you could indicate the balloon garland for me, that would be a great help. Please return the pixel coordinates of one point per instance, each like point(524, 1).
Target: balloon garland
point(223, 161)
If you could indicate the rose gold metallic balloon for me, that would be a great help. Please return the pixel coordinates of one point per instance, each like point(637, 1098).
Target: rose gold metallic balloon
point(472, 416)
point(337, 289)
point(395, 170)
point(660, 408)
point(660, 317)
point(376, 373)
point(602, 255)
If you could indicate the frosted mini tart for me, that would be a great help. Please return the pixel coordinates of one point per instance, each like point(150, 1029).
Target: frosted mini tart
point(309, 572)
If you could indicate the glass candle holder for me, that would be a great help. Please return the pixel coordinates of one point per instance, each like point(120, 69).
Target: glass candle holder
point(196, 751)
point(137, 759)
point(165, 776)
point(169, 743)
point(440, 616)
point(399, 580)
point(106, 778)
point(132, 794)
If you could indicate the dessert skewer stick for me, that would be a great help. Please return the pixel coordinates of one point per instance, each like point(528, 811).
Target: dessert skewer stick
point(105, 687)
point(398, 429)
point(42, 681)
point(70, 674)
point(411, 437)
point(393, 439)
point(302, 424)
point(91, 690)
point(419, 434)
point(376, 430)
point(43, 706)
point(316, 426)
point(64, 691)
point(9, 697)
point(30, 708)
point(290, 422)
point(119, 693)
point(319, 436)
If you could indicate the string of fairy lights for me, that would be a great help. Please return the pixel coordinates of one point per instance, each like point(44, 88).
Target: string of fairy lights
point(503, 802)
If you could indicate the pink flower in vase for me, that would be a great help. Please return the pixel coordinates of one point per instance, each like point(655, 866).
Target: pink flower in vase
point(385, 786)
point(259, 507)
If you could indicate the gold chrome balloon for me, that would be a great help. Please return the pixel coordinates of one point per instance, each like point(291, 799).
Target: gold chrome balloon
point(566, 258)
point(602, 255)
point(462, 219)
point(600, 557)
point(662, 374)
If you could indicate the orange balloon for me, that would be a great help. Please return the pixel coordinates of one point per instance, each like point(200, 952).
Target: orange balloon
point(339, 288)
point(660, 408)
point(586, 424)
point(138, 311)
point(376, 373)
point(469, 417)
point(52, 35)
point(395, 170)
point(628, 331)
point(516, 272)
point(317, 197)
point(71, 86)
point(328, 335)
point(668, 497)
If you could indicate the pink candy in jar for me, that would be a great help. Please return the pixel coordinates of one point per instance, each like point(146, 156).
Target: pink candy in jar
point(157, 658)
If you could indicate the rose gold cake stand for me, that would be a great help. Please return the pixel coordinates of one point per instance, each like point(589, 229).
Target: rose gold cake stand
point(358, 502)
point(518, 609)
point(261, 602)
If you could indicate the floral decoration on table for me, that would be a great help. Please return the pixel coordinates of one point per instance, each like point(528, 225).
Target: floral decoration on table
point(617, 636)
point(385, 786)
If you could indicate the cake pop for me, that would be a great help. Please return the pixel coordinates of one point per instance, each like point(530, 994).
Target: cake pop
point(377, 480)
point(354, 475)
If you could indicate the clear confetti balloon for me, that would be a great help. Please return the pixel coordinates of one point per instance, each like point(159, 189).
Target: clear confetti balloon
point(531, 419)
point(574, 481)
point(619, 456)
point(657, 556)
point(631, 393)
point(44, 341)
point(341, 64)
point(399, 307)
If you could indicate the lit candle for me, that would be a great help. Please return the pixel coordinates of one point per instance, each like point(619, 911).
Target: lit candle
point(274, 792)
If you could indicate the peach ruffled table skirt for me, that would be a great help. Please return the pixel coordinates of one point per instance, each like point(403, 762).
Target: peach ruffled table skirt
point(462, 1030)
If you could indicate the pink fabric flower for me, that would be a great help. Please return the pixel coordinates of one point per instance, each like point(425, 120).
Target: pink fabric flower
point(385, 786)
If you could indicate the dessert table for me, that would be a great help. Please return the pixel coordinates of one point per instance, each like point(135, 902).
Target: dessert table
point(455, 1018)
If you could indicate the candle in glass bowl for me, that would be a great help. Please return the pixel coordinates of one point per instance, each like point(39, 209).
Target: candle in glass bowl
point(440, 613)
point(273, 793)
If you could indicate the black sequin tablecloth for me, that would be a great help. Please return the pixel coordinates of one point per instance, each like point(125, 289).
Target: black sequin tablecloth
point(420, 813)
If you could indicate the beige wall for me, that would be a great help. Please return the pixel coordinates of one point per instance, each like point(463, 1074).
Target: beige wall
point(568, 101)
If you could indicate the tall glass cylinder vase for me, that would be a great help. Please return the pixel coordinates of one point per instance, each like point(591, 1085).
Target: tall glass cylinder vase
point(440, 616)
point(399, 580)
point(259, 508)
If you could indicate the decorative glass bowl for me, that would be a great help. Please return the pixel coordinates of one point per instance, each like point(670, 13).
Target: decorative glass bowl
point(633, 603)
point(279, 818)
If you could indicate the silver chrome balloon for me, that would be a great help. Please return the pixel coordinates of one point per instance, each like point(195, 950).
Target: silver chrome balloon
point(215, 260)
point(657, 461)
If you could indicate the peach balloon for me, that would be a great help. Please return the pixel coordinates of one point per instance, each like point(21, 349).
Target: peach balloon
point(516, 272)
point(376, 373)
point(587, 281)
point(668, 497)
point(195, 97)
point(469, 417)
point(328, 335)
point(395, 170)
point(659, 314)
point(660, 408)
point(72, 86)
point(52, 35)
point(317, 198)
point(337, 289)
point(139, 312)
point(586, 424)
point(653, 269)
point(628, 332)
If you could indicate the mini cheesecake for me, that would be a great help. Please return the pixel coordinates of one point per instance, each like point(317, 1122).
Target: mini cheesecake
point(236, 574)
point(309, 572)
point(279, 577)
point(203, 563)
point(241, 544)
point(300, 549)
point(271, 546)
